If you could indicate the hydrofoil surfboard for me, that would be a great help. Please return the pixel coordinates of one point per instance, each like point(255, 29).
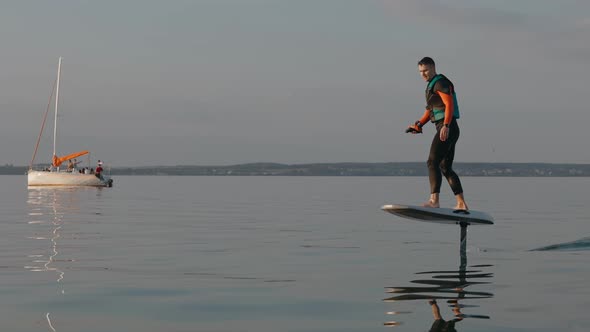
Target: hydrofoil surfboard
point(439, 215)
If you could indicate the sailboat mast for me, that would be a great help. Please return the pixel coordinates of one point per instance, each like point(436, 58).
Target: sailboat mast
point(56, 103)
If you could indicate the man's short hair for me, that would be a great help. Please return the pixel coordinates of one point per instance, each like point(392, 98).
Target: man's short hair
point(426, 61)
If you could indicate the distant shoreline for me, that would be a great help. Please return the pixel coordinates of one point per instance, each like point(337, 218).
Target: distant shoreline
point(346, 169)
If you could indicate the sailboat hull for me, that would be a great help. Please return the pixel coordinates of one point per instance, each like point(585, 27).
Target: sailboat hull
point(42, 178)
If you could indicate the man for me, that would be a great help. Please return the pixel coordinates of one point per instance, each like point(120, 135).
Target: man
point(98, 170)
point(443, 111)
point(75, 165)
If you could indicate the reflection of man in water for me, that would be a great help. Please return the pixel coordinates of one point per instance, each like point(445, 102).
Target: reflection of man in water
point(440, 325)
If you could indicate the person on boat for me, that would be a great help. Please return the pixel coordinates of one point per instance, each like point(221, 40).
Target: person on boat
point(76, 164)
point(98, 170)
point(441, 109)
point(72, 165)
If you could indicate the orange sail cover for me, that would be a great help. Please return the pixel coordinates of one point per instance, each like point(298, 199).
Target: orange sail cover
point(59, 160)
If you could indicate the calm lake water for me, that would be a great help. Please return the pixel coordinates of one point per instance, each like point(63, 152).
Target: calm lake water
point(290, 254)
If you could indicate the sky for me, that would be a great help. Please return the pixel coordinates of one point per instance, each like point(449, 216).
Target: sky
point(219, 82)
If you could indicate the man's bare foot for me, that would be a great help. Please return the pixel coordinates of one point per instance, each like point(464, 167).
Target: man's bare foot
point(461, 206)
point(431, 204)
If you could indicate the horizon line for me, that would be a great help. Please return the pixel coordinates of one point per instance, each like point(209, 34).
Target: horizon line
point(329, 163)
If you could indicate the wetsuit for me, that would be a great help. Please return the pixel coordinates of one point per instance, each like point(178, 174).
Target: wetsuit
point(442, 110)
point(440, 325)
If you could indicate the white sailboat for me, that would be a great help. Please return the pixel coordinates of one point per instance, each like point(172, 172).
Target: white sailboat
point(55, 175)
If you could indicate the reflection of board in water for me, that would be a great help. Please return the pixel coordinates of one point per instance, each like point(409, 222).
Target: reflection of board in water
point(445, 287)
point(414, 290)
point(453, 290)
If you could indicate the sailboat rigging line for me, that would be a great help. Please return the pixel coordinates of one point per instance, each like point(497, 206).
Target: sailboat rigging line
point(43, 124)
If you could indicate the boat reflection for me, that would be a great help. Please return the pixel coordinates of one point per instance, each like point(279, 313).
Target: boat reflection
point(447, 286)
point(47, 211)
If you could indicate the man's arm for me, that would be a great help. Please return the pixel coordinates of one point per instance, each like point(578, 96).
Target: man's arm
point(449, 106)
point(425, 118)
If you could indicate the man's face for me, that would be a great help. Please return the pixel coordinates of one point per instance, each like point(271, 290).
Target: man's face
point(426, 71)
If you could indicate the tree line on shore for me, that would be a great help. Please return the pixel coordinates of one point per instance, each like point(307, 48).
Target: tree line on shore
point(344, 169)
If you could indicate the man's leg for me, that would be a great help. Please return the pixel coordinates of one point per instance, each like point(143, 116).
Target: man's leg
point(446, 167)
point(437, 153)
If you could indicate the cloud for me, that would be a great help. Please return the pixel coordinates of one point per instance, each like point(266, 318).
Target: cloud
point(583, 23)
point(533, 36)
point(437, 13)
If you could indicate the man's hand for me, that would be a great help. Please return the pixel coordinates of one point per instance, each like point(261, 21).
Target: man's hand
point(444, 133)
point(414, 129)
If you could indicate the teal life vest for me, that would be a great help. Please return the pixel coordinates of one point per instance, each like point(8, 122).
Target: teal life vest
point(439, 114)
